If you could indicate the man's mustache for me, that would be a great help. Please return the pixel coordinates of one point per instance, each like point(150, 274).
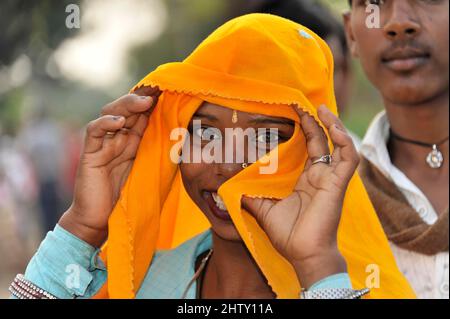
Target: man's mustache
point(403, 49)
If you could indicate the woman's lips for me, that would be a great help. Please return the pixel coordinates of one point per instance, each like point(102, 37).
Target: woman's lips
point(213, 205)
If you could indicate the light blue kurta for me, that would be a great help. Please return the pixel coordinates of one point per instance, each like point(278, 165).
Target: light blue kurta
point(68, 267)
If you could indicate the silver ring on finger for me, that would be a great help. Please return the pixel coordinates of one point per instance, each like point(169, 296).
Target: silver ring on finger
point(110, 134)
point(325, 159)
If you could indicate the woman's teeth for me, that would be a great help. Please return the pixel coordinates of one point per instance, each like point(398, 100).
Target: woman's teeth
point(219, 202)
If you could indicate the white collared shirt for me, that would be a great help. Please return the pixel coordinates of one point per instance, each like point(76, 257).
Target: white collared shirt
point(428, 275)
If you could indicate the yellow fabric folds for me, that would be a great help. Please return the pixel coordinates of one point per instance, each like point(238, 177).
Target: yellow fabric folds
point(255, 63)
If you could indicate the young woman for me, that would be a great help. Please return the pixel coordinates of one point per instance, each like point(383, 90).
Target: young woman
point(180, 225)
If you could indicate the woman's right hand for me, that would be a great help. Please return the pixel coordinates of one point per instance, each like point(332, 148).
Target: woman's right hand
point(109, 150)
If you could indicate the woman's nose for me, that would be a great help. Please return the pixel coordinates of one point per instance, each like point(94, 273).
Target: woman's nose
point(234, 154)
point(227, 170)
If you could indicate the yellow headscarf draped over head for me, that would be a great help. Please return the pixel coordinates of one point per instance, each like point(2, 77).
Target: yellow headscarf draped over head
point(257, 63)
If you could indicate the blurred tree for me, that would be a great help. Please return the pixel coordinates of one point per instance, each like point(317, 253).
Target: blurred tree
point(31, 31)
point(30, 26)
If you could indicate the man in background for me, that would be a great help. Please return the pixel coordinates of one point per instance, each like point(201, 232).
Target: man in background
point(405, 153)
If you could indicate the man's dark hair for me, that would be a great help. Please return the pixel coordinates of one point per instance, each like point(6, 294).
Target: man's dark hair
point(311, 14)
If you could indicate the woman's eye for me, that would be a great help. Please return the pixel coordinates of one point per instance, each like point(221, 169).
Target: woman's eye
point(268, 138)
point(207, 133)
point(375, 2)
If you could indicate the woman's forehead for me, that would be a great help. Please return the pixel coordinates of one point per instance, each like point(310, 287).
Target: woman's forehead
point(221, 111)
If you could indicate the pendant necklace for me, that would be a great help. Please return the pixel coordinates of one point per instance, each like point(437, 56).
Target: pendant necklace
point(435, 158)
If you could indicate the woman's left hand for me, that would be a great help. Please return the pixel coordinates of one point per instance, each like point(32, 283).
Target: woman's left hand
point(303, 226)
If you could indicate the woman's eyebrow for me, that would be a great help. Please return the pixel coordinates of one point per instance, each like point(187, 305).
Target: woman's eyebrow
point(207, 116)
point(271, 120)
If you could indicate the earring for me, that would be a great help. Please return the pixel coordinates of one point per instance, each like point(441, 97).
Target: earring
point(244, 165)
point(234, 118)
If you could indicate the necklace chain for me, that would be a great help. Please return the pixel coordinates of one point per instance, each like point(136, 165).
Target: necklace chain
point(403, 139)
point(197, 273)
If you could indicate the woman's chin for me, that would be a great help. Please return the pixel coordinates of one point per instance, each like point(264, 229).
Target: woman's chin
point(226, 232)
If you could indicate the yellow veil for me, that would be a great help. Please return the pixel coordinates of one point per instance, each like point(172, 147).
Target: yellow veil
point(256, 63)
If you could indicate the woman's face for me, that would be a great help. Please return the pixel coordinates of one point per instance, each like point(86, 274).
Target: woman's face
point(202, 179)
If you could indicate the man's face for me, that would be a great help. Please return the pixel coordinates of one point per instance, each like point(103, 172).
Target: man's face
point(406, 58)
